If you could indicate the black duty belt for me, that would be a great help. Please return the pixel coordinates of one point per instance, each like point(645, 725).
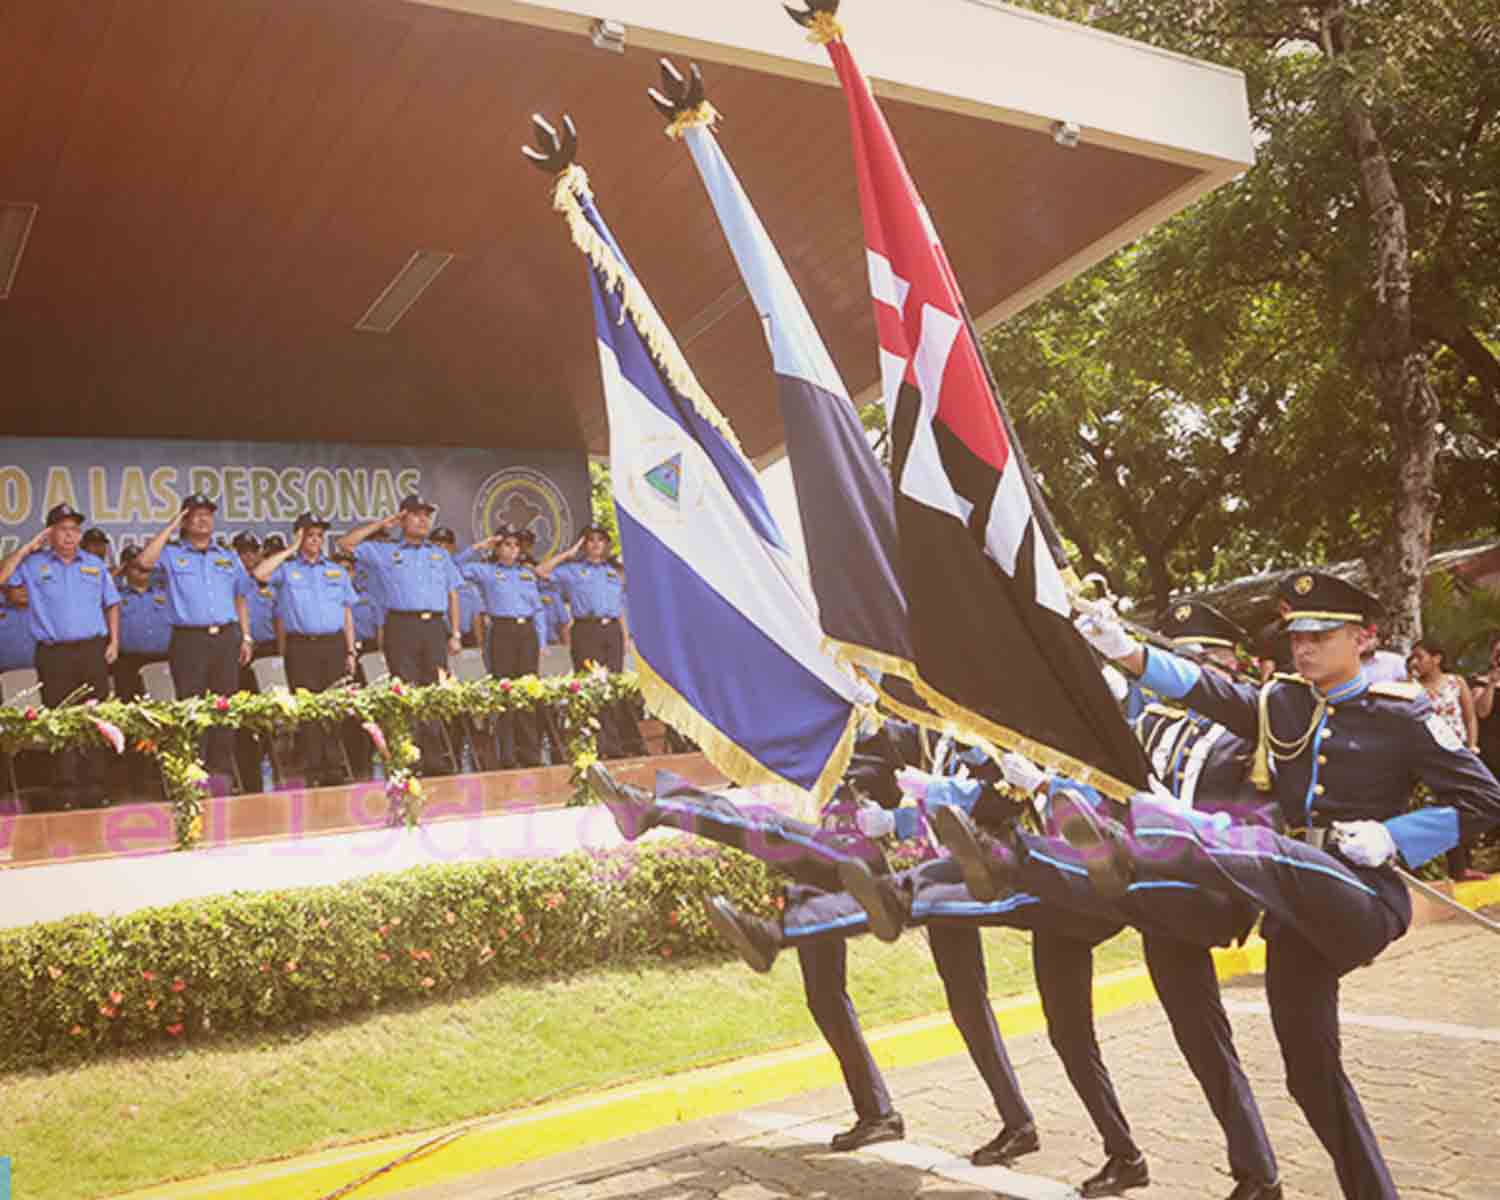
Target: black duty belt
point(208, 629)
point(420, 613)
point(516, 620)
point(312, 637)
point(595, 620)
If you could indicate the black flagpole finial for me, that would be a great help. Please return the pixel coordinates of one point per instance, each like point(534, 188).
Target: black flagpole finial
point(555, 153)
point(814, 7)
point(677, 95)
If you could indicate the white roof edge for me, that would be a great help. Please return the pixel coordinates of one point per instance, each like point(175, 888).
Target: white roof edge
point(979, 57)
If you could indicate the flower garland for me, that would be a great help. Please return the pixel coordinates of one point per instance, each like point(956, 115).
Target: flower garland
point(172, 731)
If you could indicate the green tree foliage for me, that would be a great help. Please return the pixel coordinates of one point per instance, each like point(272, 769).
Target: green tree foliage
point(602, 499)
point(1232, 393)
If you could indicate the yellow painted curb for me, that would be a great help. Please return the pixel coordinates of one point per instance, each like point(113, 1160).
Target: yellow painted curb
point(1479, 894)
point(690, 1096)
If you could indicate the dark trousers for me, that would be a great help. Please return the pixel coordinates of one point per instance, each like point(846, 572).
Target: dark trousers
point(603, 641)
point(824, 980)
point(315, 662)
point(63, 668)
point(127, 676)
point(208, 664)
point(514, 652)
point(415, 651)
point(1185, 982)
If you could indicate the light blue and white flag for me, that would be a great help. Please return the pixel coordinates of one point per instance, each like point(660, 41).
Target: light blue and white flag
point(727, 637)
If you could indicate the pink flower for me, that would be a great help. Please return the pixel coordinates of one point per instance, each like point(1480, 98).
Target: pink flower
point(106, 1011)
point(575, 686)
point(148, 976)
point(397, 689)
point(377, 735)
point(383, 956)
point(32, 714)
point(151, 1004)
point(291, 966)
point(112, 735)
point(428, 981)
point(176, 1030)
point(117, 997)
point(76, 1031)
point(179, 985)
point(505, 685)
point(221, 703)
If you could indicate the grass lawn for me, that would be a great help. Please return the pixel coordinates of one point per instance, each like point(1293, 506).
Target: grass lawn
point(148, 1117)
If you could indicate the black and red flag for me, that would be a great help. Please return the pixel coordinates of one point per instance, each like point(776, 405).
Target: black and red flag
point(979, 563)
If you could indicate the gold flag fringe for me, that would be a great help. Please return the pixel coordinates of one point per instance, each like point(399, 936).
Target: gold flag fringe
point(824, 28)
point(573, 184)
point(664, 702)
point(703, 114)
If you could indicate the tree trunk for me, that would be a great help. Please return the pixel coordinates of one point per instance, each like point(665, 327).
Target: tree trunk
point(1400, 368)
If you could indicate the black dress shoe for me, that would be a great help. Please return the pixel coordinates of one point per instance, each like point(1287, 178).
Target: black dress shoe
point(754, 939)
point(1255, 1189)
point(1108, 862)
point(882, 901)
point(1007, 1145)
point(868, 1131)
point(960, 838)
point(634, 810)
point(1116, 1176)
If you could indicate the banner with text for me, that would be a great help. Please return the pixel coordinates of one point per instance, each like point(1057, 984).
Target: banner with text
point(131, 488)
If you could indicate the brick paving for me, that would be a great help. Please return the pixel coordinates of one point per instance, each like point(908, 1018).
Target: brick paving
point(1421, 1041)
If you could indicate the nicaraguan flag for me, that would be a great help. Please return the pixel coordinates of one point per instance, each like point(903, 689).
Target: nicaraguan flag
point(727, 638)
point(843, 493)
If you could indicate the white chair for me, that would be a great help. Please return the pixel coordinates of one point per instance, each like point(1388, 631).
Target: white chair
point(270, 674)
point(156, 681)
point(468, 665)
point(373, 665)
point(556, 660)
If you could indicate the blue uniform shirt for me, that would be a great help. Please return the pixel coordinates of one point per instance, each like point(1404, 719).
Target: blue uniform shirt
point(262, 602)
point(368, 617)
point(311, 597)
point(1356, 760)
point(410, 578)
point(592, 589)
point(511, 592)
point(17, 646)
point(202, 584)
point(68, 599)
point(469, 604)
point(554, 610)
point(145, 621)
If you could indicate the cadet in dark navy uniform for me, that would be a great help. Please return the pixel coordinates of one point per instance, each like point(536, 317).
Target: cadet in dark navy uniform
point(595, 589)
point(74, 613)
point(419, 584)
point(314, 606)
point(1340, 757)
point(513, 607)
point(208, 600)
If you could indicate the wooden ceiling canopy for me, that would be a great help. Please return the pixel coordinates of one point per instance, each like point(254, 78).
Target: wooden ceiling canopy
point(225, 186)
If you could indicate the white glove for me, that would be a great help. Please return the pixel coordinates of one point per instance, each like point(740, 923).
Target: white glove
point(913, 783)
point(1021, 773)
point(1119, 686)
point(1364, 843)
point(874, 821)
point(1102, 630)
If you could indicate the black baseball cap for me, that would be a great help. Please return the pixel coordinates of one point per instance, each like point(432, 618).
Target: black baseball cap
point(273, 543)
point(526, 535)
point(59, 513)
point(199, 500)
point(415, 503)
point(443, 534)
point(245, 540)
point(505, 531)
point(308, 521)
point(599, 529)
point(95, 535)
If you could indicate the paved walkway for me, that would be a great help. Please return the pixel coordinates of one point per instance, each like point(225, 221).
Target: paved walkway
point(1422, 1042)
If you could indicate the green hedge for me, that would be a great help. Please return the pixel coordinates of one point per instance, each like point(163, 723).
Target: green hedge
point(202, 968)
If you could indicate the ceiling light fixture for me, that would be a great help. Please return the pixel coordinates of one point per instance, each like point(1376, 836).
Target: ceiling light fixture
point(403, 291)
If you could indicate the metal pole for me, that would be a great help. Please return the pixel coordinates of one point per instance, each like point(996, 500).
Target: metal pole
point(1446, 901)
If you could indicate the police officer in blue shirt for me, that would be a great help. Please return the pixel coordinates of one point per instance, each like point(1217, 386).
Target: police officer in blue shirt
point(145, 624)
point(17, 646)
point(314, 604)
point(262, 600)
point(1339, 755)
point(513, 608)
point(208, 600)
point(595, 589)
point(74, 611)
point(419, 588)
point(469, 602)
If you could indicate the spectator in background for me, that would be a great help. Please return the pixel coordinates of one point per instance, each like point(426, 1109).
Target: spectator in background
point(96, 542)
point(145, 635)
point(1486, 710)
point(17, 646)
point(1453, 703)
point(1379, 666)
point(470, 604)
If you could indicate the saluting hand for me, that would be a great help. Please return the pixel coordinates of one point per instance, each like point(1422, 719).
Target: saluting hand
point(39, 541)
point(391, 521)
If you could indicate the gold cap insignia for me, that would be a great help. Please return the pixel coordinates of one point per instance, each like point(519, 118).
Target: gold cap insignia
point(1303, 585)
point(1184, 611)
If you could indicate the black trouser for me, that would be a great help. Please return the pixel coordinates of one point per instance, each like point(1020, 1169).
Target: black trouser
point(315, 661)
point(208, 664)
point(64, 668)
point(825, 983)
point(514, 652)
point(416, 649)
point(602, 640)
point(249, 752)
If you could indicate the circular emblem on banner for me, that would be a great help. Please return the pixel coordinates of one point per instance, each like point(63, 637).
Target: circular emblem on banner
point(1184, 611)
point(1303, 585)
point(523, 498)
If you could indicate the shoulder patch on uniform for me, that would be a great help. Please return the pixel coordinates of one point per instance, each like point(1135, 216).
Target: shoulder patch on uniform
point(1397, 689)
point(334, 572)
point(1443, 733)
point(1283, 677)
point(89, 570)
